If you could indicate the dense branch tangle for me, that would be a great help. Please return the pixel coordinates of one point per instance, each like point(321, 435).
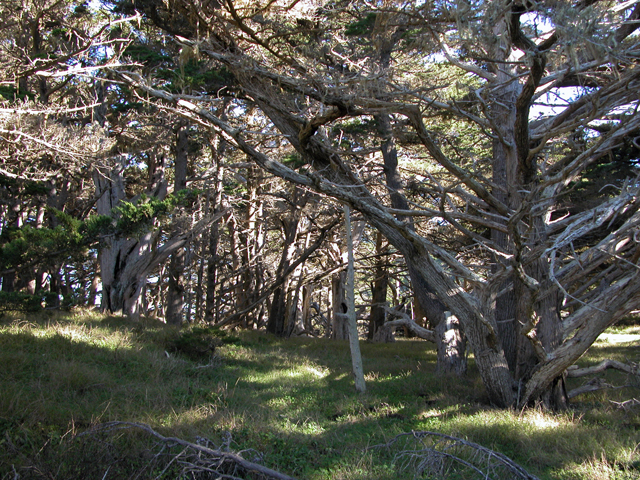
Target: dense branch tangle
point(313, 74)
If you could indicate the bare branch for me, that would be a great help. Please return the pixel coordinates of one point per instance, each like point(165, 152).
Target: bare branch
point(574, 371)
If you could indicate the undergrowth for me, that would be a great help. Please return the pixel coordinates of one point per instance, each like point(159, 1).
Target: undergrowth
point(290, 403)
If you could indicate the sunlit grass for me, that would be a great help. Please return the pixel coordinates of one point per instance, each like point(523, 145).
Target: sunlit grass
point(293, 401)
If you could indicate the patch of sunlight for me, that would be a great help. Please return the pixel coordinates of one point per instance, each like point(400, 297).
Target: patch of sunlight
point(432, 413)
point(305, 427)
point(311, 428)
point(618, 338)
point(594, 469)
point(281, 402)
point(540, 420)
point(299, 373)
point(316, 371)
point(75, 334)
point(379, 377)
point(199, 413)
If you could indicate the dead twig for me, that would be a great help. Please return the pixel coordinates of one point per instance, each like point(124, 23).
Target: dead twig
point(197, 458)
point(436, 455)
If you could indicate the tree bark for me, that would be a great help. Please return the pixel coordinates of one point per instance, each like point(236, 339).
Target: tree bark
point(450, 346)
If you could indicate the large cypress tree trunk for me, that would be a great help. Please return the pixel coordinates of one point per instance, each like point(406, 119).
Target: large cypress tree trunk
point(527, 326)
point(122, 284)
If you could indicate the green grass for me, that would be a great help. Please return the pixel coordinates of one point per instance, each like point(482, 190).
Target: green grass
point(291, 401)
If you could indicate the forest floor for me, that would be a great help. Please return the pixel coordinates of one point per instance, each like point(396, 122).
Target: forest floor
point(288, 404)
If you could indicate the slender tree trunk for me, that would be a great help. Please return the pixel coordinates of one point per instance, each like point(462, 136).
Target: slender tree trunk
point(339, 327)
point(176, 290)
point(199, 291)
point(307, 292)
point(378, 290)
point(352, 324)
point(217, 147)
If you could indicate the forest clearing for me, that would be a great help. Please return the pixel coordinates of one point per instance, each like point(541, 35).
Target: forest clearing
point(289, 404)
point(207, 206)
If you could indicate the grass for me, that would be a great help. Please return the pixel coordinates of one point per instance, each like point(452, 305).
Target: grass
point(291, 401)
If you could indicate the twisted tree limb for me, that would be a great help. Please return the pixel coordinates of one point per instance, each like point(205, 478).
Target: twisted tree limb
point(405, 321)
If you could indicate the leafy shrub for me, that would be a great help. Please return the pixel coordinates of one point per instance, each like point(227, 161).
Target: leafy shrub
point(199, 343)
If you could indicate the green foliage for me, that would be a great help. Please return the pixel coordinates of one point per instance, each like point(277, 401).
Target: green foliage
point(46, 246)
point(603, 178)
point(363, 26)
point(357, 126)
point(293, 161)
point(124, 107)
point(23, 188)
point(9, 92)
point(137, 218)
point(197, 75)
point(145, 54)
point(20, 302)
point(71, 238)
point(81, 10)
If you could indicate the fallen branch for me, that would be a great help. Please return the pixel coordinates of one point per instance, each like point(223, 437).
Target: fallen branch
point(592, 386)
point(627, 404)
point(204, 459)
point(574, 371)
point(435, 455)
